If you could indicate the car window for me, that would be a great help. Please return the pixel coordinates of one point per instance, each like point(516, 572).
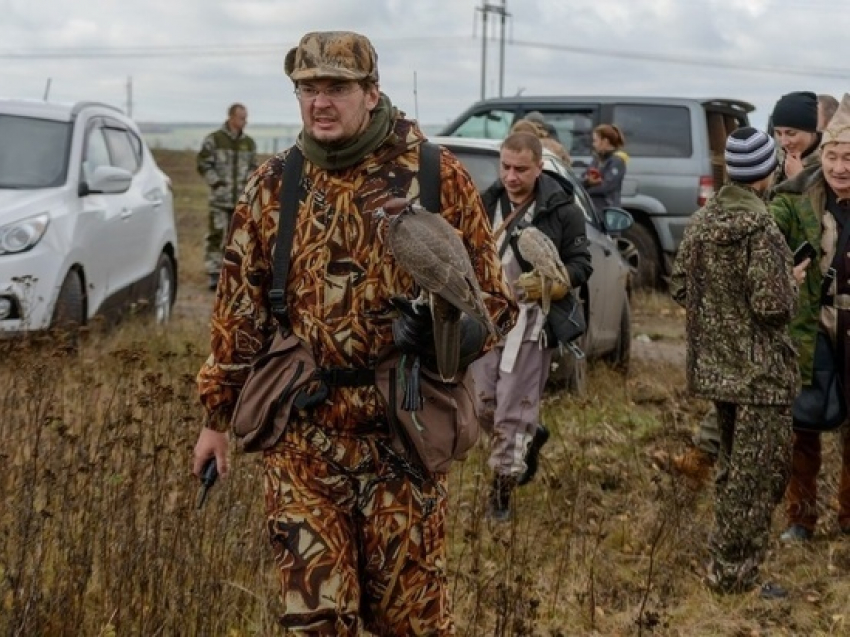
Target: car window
point(574, 128)
point(33, 152)
point(494, 124)
point(96, 152)
point(655, 130)
point(483, 167)
point(126, 151)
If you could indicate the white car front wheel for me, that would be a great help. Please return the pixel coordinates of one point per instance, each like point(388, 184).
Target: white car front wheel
point(163, 297)
point(70, 308)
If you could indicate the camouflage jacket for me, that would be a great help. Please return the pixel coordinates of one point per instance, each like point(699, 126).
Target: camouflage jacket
point(798, 207)
point(733, 274)
point(226, 162)
point(341, 273)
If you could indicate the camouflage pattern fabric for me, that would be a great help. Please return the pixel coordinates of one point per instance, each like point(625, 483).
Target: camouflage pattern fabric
point(359, 542)
point(225, 162)
point(346, 526)
point(341, 274)
point(733, 275)
point(757, 441)
point(341, 55)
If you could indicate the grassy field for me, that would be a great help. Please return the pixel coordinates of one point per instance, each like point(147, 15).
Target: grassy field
point(100, 535)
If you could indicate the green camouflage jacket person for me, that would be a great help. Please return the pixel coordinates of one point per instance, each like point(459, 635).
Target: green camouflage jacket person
point(797, 207)
point(226, 162)
point(733, 274)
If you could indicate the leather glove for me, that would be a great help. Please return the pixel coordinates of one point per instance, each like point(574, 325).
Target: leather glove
point(413, 333)
point(530, 285)
point(413, 329)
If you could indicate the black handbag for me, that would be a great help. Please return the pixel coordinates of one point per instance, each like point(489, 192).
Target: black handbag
point(821, 406)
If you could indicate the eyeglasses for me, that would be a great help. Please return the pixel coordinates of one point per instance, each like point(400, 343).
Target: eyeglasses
point(334, 92)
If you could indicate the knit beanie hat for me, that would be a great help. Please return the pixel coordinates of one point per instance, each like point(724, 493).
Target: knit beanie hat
point(750, 155)
point(797, 110)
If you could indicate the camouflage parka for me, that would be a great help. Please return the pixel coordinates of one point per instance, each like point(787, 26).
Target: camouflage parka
point(341, 275)
point(733, 274)
point(798, 207)
point(226, 161)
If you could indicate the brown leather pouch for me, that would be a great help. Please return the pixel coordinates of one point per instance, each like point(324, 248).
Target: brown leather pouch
point(274, 384)
point(443, 428)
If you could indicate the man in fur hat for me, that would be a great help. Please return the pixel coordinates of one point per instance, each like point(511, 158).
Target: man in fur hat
point(815, 207)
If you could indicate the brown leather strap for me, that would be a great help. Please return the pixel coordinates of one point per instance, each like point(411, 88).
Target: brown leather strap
point(517, 211)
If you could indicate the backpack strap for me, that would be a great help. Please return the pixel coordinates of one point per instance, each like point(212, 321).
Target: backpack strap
point(429, 176)
point(290, 196)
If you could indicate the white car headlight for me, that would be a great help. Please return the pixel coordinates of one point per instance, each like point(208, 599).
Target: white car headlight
point(23, 235)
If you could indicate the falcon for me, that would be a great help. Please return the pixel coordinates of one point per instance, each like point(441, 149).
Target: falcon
point(537, 248)
point(425, 245)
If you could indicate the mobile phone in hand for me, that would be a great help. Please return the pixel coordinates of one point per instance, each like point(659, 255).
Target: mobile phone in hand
point(804, 251)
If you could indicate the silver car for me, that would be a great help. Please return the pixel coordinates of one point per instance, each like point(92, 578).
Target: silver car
point(86, 218)
point(606, 294)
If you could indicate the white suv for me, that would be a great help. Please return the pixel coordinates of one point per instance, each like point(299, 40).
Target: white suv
point(86, 217)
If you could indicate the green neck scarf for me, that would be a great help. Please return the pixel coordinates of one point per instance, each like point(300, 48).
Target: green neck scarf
point(347, 154)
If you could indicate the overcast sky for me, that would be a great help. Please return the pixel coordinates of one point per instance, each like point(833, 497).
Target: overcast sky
point(188, 59)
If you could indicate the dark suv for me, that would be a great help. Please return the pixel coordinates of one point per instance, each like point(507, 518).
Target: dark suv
point(675, 146)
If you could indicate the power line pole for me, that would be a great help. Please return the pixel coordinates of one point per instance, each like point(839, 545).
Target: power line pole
point(501, 11)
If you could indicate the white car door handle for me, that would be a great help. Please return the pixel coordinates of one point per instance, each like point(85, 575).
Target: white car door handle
point(126, 213)
point(156, 203)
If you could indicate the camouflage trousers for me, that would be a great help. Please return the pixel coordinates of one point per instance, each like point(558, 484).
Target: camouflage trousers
point(218, 222)
point(358, 541)
point(757, 442)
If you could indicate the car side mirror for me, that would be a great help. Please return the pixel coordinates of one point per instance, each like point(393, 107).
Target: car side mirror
point(107, 180)
point(617, 220)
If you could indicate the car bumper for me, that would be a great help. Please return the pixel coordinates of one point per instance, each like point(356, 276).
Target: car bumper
point(29, 281)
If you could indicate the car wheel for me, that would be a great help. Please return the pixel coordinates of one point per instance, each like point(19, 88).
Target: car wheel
point(164, 292)
point(621, 355)
point(69, 312)
point(637, 245)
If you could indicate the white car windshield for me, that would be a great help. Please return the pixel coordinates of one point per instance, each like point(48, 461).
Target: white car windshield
point(33, 152)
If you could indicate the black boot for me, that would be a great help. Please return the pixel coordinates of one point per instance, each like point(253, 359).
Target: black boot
point(499, 501)
point(532, 458)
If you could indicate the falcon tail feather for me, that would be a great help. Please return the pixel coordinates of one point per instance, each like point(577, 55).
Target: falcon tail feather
point(446, 319)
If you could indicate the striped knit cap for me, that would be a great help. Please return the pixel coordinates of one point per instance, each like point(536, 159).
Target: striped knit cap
point(750, 155)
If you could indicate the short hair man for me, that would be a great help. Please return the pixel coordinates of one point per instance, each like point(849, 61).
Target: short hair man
point(733, 275)
point(358, 534)
point(226, 160)
point(510, 378)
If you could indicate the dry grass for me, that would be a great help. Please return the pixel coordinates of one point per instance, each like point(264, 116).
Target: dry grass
point(100, 535)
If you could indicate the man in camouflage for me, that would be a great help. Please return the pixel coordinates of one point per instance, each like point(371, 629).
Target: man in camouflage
point(226, 160)
point(357, 534)
point(733, 274)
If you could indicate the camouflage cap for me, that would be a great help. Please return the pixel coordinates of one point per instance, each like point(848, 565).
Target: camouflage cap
point(342, 55)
